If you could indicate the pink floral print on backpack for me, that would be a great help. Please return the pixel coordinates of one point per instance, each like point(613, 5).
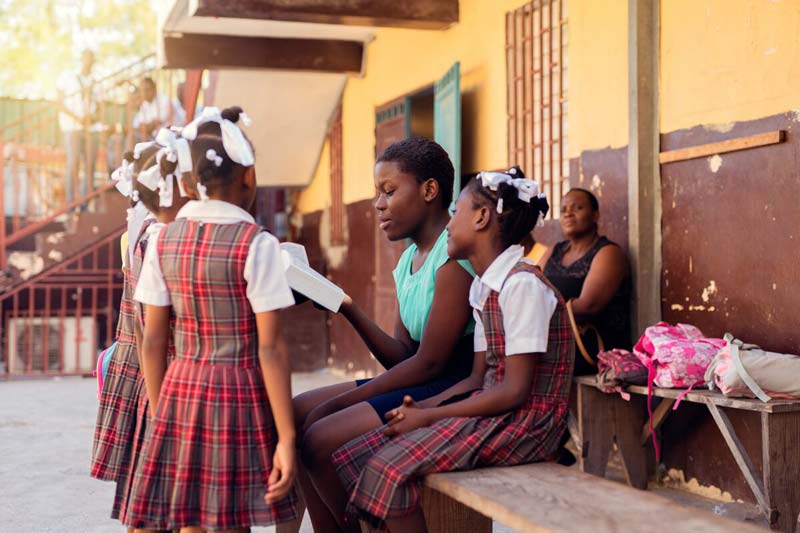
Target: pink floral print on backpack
point(677, 356)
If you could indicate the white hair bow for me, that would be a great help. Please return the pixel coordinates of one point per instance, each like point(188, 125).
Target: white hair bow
point(141, 147)
point(124, 178)
point(176, 149)
point(236, 145)
point(526, 189)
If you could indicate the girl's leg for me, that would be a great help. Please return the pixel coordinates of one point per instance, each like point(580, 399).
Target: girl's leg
point(320, 441)
point(413, 523)
point(322, 520)
point(304, 403)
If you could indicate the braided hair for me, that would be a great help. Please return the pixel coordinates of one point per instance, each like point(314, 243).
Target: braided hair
point(517, 217)
point(213, 167)
point(147, 158)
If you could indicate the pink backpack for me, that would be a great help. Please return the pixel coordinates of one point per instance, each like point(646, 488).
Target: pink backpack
point(675, 357)
point(617, 368)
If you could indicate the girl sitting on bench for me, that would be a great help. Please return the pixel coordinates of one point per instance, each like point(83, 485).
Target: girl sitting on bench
point(512, 409)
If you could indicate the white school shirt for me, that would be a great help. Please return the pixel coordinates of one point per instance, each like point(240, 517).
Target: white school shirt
point(157, 109)
point(81, 94)
point(267, 288)
point(526, 302)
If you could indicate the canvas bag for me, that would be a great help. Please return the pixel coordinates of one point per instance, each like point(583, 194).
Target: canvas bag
point(741, 369)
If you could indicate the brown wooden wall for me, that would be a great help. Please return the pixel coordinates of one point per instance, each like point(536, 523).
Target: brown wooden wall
point(739, 227)
point(319, 339)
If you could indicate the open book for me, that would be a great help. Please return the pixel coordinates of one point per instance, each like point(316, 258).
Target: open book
point(307, 281)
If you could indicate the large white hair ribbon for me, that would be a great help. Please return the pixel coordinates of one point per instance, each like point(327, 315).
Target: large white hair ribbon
point(526, 189)
point(236, 145)
point(124, 178)
point(176, 150)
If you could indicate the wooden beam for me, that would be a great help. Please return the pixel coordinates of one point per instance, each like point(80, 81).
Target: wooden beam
point(206, 51)
point(644, 179)
point(731, 145)
point(419, 14)
point(740, 454)
point(191, 91)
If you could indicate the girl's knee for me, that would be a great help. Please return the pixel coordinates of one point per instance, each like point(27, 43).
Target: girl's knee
point(302, 405)
point(319, 442)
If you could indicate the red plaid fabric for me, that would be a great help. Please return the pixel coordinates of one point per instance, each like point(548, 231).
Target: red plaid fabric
point(116, 413)
point(383, 475)
point(208, 450)
point(142, 417)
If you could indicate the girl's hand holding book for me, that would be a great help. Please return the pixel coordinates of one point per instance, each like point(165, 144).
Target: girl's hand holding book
point(405, 418)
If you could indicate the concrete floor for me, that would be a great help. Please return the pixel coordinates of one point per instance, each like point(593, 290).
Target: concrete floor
point(46, 428)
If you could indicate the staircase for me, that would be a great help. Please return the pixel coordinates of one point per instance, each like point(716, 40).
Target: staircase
point(60, 264)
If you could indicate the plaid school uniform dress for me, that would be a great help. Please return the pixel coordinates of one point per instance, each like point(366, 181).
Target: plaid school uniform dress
point(209, 446)
point(383, 475)
point(142, 417)
point(116, 414)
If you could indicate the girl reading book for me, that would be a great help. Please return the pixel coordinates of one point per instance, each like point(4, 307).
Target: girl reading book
point(431, 346)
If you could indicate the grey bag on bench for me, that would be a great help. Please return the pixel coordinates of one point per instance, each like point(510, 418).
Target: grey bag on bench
point(741, 369)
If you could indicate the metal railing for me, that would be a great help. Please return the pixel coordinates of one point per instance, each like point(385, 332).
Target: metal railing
point(36, 185)
point(55, 321)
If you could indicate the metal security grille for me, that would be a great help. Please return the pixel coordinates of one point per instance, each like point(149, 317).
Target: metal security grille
point(337, 182)
point(536, 55)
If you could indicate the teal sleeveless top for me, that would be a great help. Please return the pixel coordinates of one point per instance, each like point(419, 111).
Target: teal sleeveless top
point(415, 291)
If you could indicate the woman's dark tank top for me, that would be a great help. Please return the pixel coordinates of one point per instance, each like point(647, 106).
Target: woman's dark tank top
point(613, 322)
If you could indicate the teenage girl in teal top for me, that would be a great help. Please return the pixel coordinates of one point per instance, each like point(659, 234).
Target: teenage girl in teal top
point(431, 348)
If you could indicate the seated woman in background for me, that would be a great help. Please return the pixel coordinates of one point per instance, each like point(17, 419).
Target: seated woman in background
point(592, 272)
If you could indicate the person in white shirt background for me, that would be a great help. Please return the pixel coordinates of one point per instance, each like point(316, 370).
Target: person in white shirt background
point(155, 111)
point(78, 96)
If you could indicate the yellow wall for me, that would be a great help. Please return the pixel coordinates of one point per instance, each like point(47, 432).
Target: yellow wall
point(598, 75)
point(725, 61)
point(399, 61)
point(317, 195)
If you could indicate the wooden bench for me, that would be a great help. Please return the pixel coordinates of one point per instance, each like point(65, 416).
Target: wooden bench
point(550, 497)
point(606, 418)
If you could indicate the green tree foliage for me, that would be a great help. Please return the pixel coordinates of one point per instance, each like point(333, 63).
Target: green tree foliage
point(40, 39)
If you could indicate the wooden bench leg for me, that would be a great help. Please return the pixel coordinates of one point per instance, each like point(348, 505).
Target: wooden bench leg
point(445, 515)
point(779, 433)
point(630, 415)
point(596, 422)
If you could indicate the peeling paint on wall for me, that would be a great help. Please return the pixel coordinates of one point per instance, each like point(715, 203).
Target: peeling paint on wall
point(597, 186)
point(709, 291)
point(724, 127)
point(714, 162)
point(675, 478)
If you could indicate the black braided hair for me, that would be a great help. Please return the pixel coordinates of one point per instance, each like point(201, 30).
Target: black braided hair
point(518, 218)
point(209, 137)
point(424, 159)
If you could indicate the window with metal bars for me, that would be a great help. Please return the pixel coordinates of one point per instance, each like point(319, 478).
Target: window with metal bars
point(536, 66)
